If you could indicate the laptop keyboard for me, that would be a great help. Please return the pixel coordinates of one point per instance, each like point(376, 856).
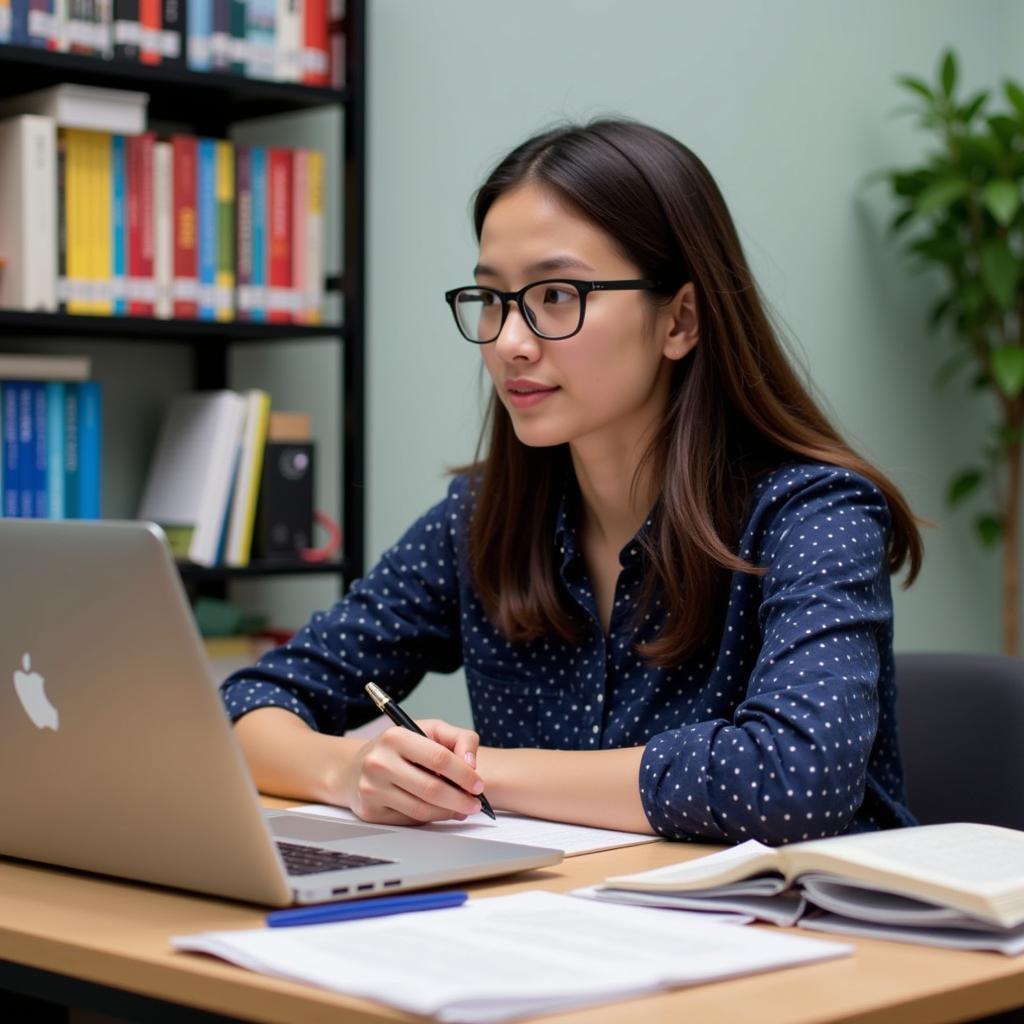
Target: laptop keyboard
point(310, 860)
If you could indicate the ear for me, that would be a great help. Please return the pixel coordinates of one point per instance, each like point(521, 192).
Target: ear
point(682, 324)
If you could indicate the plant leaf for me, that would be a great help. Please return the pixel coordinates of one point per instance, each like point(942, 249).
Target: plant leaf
point(1008, 369)
point(940, 194)
point(916, 85)
point(970, 109)
point(901, 220)
point(1015, 95)
point(962, 485)
point(1002, 199)
point(990, 530)
point(948, 72)
point(999, 272)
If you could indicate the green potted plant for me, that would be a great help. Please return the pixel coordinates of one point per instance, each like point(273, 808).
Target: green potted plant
point(960, 210)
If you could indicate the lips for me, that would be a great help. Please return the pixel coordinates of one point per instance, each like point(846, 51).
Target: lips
point(523, 393)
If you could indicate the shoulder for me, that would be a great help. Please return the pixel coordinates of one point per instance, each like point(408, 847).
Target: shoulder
point(815, 495)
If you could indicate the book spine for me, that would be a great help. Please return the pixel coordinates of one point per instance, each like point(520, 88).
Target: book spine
point(26, 452)
point(90, 439)
point(207, 217)
point(150, 29)
point(259, 233)
point(336, 43)
point(243, 233)
point(19, 22)
point(12, 451)
point(62, 224)
point(225, 231)
point(119, 223)
point(260, 34)
point(101, 193)
point(133, 221)
point(172, 32)
point(103, 17)
point(239, 47)
point(5, 31)
point(55, 448)
point(40, 444)
point(314, 297)
point(199, 21)
point(288, 40)
point(145, 291)
point(71, 451)
point(40, 23)
point(315, 53)
point(220, 35)
point(163, 231)
point(3, 469)
point(59, 42)
point(70, 140)
point(299, 199)
point(185, 267)
point(126, 29)
point(279, 263)
point(247, 485)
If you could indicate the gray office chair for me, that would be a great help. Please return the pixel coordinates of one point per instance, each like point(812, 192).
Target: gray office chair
point(961, 725)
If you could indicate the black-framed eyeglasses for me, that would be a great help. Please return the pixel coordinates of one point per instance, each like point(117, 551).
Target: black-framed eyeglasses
point(553, 309)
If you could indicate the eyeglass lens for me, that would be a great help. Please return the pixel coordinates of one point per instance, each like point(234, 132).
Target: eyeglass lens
point(552, 310)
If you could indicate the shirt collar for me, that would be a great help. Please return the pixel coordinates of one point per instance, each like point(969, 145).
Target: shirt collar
point(567, 534)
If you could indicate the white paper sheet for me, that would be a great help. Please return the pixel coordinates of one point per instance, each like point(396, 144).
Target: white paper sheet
point(510, 956)
point(515, 828)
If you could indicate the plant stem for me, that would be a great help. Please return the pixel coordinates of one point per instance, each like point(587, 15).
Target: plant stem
point(1011, 545)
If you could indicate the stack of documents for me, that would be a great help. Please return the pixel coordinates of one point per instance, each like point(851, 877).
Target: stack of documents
point(511, 956)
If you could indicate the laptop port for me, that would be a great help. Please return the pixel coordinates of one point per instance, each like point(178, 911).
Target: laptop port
point(341, 889)
point(393, 881)
point(364, 887)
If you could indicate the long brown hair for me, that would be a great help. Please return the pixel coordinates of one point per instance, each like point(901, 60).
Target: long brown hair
point(737, 408)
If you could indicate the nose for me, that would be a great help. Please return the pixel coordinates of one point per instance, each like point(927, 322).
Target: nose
point(516, 340)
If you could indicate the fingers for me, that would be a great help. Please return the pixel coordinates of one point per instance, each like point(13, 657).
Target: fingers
point(463, 744)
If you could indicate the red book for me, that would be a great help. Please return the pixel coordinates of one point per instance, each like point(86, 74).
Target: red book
point(150, 27)
point(186, 282)
point(279, 240)
point(140, 224)
point(315, 52)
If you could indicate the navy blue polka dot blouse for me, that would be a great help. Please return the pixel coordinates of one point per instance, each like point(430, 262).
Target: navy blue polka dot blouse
point(782, 728)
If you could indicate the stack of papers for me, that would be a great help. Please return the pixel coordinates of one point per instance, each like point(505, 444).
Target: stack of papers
point(511, 956)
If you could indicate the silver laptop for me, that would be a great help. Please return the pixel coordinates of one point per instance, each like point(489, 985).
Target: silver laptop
point(117, 756)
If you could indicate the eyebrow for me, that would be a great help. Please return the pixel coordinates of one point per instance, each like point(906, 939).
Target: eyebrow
point(542, 266)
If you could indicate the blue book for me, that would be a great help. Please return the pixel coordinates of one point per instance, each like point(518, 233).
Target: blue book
point(70, 460)
point(258, 227)
point(12, 475)
point(40, 499)
point(55, 449)
point(26, 452)
point(199, 22)
point(90, 448)
point(117, 224)
point(19, 22)
point(206, 216)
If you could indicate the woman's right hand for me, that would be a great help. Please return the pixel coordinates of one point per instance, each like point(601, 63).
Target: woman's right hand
point(402, 778)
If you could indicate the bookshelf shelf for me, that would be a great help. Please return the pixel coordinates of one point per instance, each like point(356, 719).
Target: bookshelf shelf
point(175, 94)
point(257, 570)
point(141, 329)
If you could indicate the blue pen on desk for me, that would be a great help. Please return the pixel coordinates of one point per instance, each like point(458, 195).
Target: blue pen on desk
point(353, 910)
point(399, 717)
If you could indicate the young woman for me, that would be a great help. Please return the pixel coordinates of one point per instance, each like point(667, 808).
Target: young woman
point(667, 579)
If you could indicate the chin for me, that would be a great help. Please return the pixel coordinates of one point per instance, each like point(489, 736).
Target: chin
point(533, 436)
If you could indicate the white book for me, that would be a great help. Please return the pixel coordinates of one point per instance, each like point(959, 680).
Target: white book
point(94, 108)
point(512, 956)
point(28, 213)
point(242, 516)
point(192, 470)
point(163, 233)
point(288, 41)
point(29, 367)
point(958, 875)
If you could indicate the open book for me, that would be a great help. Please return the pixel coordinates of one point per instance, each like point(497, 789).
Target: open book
point(959, 885)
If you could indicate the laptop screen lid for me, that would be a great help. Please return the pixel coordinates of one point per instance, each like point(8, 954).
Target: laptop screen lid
point(120, 756)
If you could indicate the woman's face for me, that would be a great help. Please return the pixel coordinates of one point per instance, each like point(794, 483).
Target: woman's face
point(606, 385)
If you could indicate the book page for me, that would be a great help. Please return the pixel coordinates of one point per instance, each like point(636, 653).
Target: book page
point(509, 956)
point(514, 828)
point(729, 865)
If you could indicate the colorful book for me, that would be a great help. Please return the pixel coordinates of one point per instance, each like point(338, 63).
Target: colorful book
point(27, 471)
point(70, 461)
point(247, 480)
point(300, 200)
point(173, 32)
point(206, 218)
point(90, 448)
point(141, 290)
point(260, 205)
point(279, 241)
point(186, 280)
point(199, 26)
point(150, 31)
point(55, 449)
point(260, 33)
point(163, 229)
point(12, 468)
point(224, 304)
point(118, 226)
point(313, 300)
point(315, 52)
point(243, 232)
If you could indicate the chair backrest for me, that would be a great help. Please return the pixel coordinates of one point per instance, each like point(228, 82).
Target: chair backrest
point(961, 726)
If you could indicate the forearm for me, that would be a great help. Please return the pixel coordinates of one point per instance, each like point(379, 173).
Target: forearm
point(289, 759)
point(600, 788)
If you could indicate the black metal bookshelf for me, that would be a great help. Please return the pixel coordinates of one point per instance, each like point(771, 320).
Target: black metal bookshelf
point(208, 104)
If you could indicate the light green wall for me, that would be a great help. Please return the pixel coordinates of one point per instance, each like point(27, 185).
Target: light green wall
point(789, 103)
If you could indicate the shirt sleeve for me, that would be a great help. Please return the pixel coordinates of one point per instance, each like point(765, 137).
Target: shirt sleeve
point(792, 763)
point(395, 625)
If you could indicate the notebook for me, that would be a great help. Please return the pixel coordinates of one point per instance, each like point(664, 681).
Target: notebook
point(118, 756)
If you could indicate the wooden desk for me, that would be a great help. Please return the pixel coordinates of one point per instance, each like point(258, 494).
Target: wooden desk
point(102, 945)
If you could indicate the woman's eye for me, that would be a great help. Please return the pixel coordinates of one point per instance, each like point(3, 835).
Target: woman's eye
point(556, 296)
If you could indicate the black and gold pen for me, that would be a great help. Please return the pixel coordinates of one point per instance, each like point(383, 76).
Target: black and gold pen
point(399, 717)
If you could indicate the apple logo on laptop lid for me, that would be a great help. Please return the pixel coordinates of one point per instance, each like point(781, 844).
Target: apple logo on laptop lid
point(29, 687)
